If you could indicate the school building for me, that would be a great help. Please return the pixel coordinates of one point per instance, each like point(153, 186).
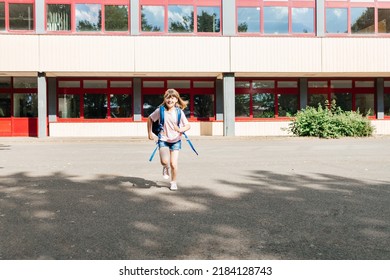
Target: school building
point(100, 67)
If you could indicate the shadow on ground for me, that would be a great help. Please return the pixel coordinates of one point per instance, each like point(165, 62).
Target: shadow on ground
point(271, 216)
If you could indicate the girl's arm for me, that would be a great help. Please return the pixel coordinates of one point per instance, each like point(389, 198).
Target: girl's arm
point(149, 126)
point(183, 128)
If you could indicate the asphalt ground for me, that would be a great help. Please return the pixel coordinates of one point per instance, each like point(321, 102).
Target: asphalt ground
point(278, 198)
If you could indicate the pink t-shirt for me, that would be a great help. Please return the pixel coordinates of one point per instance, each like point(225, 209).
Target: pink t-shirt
point(170, 119)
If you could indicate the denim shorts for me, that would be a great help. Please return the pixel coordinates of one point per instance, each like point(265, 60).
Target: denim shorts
point(171, 146)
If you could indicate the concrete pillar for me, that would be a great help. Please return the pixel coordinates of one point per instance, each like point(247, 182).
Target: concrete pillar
point(40, 16)
point(229, 104)
point(320, 18)
point(303, 89)
point(134, 17)
point(228, 17)
point(219, 100)
point(137, 100)
point(42, 105)
point(52, 98)
point(380, 106)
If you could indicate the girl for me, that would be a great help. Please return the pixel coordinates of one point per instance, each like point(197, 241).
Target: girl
point(170, 137)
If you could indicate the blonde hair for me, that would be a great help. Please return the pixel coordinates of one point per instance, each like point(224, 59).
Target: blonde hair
point(172, 92)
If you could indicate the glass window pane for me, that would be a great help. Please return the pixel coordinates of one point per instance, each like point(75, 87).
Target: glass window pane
point(88, 17)
point(387, 104)
point(318, 84)
point(364, 84)
point(25, 83)
point(2, 16)
point(341, 84)
point(275, 20)
point(151, 102)
point(205, 84)
point(180, 18)
point(242, 105)
point(209, 19)
point(242, 84)
point(186, 97)
point(263, 105)
point(5, 82)
point(362, 20)
point(152, 18)
point(95, 83)
point(343, 100)
point(21, 17)
point(317, 99)
point(5, 105)
point(69, 84)
point(287, 105)
point(58, 17)
point(116, 17)
point(25, 105)
point(95, 106)
point(336, 20)
point(69, 106)
point(365, 103)
point(302, 20)
point(384, 20)
point(204, 106)
point(179, 84)
point(248, 19)
point(153, 84)
point(121, 106)
point(263, 84)
point(288, 84)
point(120, 84)
point(387, 83)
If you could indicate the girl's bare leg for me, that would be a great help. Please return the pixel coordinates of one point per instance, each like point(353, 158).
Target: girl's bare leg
point(174, 165)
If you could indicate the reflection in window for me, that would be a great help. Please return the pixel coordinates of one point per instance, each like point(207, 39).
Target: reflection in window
point(151, 102)
point(5, 82)
point(69, 106)
point(187, 111)
point(26, 105)
point(152, 18)
point(343, 100)
point(248, 19)
point(180, 18)
point(95, 106)
point(365, 104)
point(287, 105)
point(204, 106)
point(336, 20)
point(302, 20)
point(209, 19)
point(242, 105)
point(362, 20)
point(88, 17)
point(120, 106)
point(5, 105)
point(317, 99)
point(275, 20)
point(386, 99)
point(384, 20)
point(116, 18)
point(2, 16)
point(21, 17)
point(58, 17)
point(25, 82)
point(263, 105)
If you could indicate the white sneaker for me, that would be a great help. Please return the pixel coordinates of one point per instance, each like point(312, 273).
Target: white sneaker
point(173, 186)
point(165, 172)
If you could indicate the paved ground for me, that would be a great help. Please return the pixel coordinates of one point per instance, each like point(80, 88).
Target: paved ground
point(241, 198)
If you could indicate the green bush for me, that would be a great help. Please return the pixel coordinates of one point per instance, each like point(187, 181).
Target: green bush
point(330, 122)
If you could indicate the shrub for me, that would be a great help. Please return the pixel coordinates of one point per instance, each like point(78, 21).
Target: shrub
point(330, 122)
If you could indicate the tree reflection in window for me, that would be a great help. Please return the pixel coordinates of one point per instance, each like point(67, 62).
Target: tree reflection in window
point(204, 106)
point(263, 105)
point(362, 20)
point(287, 105)
point(152, 18)
point(180, 18)
point(208, 19)
point(120, 105)
point(242, 105)
point(88, 17)
point(116, 18)
point(151, 102)
point(95, 106)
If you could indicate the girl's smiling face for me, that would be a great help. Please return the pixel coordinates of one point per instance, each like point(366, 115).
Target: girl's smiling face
point(170, 101)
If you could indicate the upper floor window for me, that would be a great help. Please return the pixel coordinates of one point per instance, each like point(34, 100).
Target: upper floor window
point(282, 17)
point(17, 16)
point(166, 16)
point(83, 16)
point(363, 17)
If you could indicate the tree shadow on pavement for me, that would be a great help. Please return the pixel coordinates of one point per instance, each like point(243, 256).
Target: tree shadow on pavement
point(271, 216)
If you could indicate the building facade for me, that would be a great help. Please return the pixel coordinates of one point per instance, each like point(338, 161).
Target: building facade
point(99, 68)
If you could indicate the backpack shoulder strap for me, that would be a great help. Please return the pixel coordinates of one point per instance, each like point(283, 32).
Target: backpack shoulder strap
point(178, 110)
point(162, 110)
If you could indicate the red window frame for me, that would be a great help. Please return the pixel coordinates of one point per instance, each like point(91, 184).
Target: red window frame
point(289, 3)
point(6, 8)
point(192, 91)
point(194, 3)
point(73, 4)
point(107, 91)
point(275, 91)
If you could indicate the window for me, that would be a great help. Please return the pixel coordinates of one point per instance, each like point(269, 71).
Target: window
point(384, 20)
point(336, 20)
point(16, 16)
point(96, 17)
point(200, 95)
point(191, 16)
point(263, 99)
point(95, 99)
point(276, 17)
point(2, 16)
point(386, 99)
